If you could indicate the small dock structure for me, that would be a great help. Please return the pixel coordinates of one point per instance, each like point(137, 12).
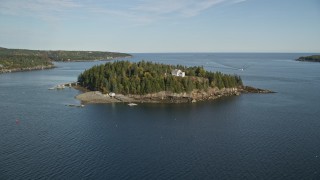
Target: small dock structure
point(62, 86)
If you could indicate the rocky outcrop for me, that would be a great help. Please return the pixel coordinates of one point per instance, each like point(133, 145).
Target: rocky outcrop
point(249, 89)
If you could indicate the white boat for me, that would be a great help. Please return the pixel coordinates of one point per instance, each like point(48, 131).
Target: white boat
point(132, 104)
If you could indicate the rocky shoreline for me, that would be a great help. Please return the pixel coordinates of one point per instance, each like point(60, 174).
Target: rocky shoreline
point(26, 69)
point(93, 97)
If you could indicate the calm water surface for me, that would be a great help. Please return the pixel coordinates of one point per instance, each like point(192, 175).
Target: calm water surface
point(253, 136)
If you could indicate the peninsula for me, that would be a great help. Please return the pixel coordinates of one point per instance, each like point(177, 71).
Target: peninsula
point(313, 58)
point(12, 60)
point(124, 81)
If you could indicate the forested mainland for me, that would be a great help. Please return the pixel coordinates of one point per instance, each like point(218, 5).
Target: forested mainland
point(23, 59)
point(143, 77)
point(313, 58)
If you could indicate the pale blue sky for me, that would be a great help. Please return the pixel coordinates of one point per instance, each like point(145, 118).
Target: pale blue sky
point(162, 25)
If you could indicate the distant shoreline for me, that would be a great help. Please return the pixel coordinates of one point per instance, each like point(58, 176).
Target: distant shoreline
point(26, 69)
point(4, 70)
point(110, 59)
point(17, 60)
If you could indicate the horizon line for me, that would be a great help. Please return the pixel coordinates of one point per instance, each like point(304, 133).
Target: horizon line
point(169, 52)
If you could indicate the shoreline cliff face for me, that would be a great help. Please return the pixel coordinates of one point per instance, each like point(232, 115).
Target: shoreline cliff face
point(93, 97)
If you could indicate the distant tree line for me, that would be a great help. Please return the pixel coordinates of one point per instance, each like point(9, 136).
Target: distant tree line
point(83, 55)
point(22, 58)
point(146, 77)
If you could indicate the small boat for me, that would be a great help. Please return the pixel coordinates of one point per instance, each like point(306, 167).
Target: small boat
point(132, 104)
point(51, 88)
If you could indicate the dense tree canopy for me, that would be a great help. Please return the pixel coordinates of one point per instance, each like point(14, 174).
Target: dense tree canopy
point(8, 61)
point(146, 77)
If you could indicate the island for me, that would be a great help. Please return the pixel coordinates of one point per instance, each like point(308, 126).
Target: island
point(139, 82)
point(313, 58)
point(12, 60)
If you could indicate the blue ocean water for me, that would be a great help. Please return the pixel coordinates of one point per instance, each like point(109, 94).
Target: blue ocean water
point(252, 136)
